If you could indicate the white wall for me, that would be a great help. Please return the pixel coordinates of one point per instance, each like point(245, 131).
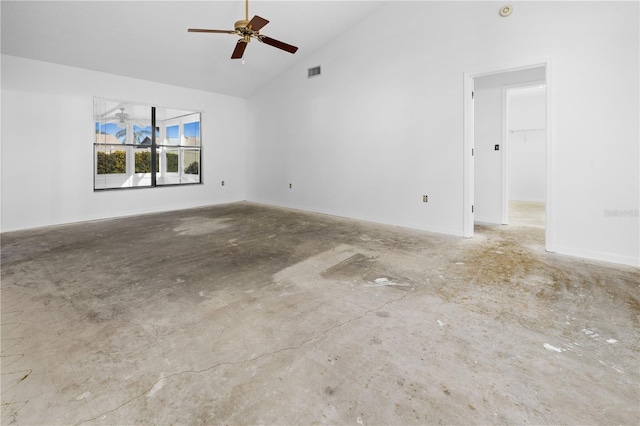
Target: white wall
point(383, 125)
point(526, 140)
point(489, 131)
point(47, 146)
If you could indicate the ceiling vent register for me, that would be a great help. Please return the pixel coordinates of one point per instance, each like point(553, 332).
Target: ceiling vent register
point(313, 72)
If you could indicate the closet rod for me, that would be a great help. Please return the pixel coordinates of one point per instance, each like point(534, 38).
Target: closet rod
point(525, 130)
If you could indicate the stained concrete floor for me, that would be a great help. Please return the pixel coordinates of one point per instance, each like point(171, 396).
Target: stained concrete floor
point(247, 314)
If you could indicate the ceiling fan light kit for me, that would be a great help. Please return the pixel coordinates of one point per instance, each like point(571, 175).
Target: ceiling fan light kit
point(248, 29)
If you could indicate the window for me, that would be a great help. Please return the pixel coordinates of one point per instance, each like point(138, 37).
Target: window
point(180, 147)
point(128, 136)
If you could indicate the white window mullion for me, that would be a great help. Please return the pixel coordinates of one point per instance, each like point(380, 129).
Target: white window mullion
point(162, 135)
point(183, 140)
point(130, 153)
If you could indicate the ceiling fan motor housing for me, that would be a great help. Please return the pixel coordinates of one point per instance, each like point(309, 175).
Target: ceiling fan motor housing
point(241, 25)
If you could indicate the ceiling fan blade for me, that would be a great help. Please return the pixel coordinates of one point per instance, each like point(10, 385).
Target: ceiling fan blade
point(257, 23)
point(239, 50)
point(279, 44)
point(198, 30)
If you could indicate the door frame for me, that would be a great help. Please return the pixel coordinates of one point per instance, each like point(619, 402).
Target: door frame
point(468, 148)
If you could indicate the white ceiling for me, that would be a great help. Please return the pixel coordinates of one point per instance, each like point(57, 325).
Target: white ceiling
point(149, 39)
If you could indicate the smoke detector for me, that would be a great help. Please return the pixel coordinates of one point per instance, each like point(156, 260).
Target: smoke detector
point(506, 10)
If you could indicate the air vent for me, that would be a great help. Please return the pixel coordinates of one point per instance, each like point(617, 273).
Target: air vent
point(313, 72)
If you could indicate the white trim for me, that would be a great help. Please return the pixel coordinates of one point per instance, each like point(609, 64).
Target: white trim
point(550, 175)
point(598, 256)
point(487, 220)
point(468, 161)
point(504, 158)
point(453, 232)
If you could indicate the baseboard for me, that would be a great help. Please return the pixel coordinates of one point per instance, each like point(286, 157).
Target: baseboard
point(122, 215)
point(408, 225)
point(599, 256)
point(488, 220)
point(542, 201)
point(584, 254)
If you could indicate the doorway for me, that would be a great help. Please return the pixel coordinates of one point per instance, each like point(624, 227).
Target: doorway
point(489, 185)
point(524, 168)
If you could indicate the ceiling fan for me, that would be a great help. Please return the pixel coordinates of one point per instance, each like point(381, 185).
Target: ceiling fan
point(122, 117)
point(248, 29)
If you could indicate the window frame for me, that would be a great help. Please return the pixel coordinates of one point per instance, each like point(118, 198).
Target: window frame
point(154, 178)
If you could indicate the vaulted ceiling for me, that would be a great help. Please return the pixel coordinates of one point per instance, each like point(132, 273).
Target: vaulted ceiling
point(149, 39)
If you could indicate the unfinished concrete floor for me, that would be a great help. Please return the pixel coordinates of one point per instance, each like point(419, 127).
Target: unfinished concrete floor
point(247, 314)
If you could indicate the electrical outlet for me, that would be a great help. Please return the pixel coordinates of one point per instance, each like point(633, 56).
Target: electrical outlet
point(290, 186)
point(425, 198)
point(222, 183)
